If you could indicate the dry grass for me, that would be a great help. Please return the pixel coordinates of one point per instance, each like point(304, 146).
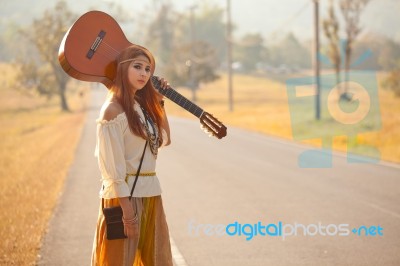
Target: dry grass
point(262, 105)
point(36, 148)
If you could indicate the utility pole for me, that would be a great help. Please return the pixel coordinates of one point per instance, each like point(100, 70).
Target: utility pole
point(229, 46)
point(316, 61)
point(191, 64)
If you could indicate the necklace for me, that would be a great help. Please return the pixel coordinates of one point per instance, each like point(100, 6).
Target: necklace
point(152, 136)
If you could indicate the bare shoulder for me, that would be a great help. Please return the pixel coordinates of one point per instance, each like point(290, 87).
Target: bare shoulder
point(110, 110)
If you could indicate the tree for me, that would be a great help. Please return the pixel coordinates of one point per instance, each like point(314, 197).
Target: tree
point(251, 51)
point(389, 54)
point(10, 41)
point(192, 64)
point(390, 61)
point(160, 35)
point(209, 27)
point(42, 71)
point(331, 30)
point(291, 52)
point(351, 11)
point(392, 81)
point(185, 50)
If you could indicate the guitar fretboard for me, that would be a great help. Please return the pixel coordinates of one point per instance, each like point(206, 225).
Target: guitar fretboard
point(177, 98)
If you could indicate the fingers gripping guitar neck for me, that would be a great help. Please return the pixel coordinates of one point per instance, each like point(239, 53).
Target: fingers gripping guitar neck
point(177, 98)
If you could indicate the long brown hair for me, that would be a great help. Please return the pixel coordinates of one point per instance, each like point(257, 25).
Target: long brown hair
point(146, 97)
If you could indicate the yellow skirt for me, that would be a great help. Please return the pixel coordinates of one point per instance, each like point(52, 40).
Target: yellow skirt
point(152, 247)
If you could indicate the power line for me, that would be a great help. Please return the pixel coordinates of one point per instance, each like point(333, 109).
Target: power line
point(229, 47)
point(290, 20)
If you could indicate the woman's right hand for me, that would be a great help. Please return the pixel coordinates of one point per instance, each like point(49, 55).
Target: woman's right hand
point(131, 230)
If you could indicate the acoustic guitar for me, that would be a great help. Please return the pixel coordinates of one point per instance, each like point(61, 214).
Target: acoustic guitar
point(88, 52)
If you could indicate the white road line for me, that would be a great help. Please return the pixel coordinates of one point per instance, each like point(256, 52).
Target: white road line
point(383, 209)
point(177, 257)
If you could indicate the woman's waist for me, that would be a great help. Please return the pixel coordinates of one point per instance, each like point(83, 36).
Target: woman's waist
point(146, 185)
point(144, 174)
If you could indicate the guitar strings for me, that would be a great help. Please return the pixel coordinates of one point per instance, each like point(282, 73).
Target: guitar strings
point(107, 51)
point(114, 50)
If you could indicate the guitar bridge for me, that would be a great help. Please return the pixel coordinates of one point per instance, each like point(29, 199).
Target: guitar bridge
point(96, 44)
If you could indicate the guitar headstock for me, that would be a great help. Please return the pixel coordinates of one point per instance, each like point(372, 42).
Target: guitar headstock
point(212, 125)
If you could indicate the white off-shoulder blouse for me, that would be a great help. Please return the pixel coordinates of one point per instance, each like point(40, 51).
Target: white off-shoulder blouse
point(118, 153)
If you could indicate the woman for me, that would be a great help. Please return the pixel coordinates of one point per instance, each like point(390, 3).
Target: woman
point(132, 114)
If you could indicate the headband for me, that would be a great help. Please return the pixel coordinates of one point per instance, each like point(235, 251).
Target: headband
point(148, 54)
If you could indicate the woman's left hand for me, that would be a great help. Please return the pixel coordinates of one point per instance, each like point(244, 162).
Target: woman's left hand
point(164, 85)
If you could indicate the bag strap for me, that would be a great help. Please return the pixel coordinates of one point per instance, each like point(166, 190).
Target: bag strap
point(137, 175)
point(138, 170)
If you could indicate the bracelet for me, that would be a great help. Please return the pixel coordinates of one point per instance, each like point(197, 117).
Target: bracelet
point(131, 221)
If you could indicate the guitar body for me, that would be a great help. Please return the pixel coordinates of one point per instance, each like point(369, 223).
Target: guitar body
point(89, 50)
point(77, 55)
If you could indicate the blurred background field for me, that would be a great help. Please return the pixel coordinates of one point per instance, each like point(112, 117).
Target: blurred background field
point(261, 105)
point(37, 144)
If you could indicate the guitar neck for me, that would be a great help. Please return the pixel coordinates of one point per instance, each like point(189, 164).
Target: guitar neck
point(177, 98)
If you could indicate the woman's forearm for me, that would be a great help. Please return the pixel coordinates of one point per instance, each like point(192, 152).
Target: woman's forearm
point(165, 126)
point(126, 206)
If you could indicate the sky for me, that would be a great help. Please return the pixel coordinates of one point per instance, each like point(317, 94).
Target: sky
point(273, 18)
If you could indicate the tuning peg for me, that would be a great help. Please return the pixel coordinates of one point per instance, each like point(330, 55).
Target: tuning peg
point(206, 130)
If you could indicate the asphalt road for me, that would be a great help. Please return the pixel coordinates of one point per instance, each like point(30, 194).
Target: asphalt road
point(303, 216)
